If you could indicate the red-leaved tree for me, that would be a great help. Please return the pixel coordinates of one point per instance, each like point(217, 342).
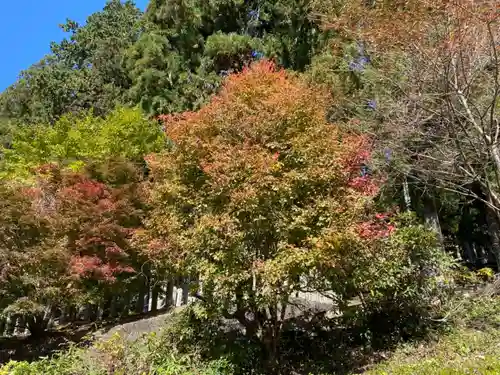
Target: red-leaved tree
point(66, 240)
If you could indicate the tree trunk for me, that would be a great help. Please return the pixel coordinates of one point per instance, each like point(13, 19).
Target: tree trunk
point(36, 326)
point(495, 153)
point(73, 314)
point(200, 287)
point(100, 310)
point(48, 317)
point(406, 194)
point(126, 305)
point(139, 306)
point(154, 298)
point(86, 312)
point(47, 312)
point(63, 317)
point(265, 328)
point(494, 232)
point(147, 299)
point(185, 290)
point(469, 253)
point(270, 334)
point(465, 235)
point(2, 327)
point(432, 219)
point(112, 307)
point(9, 325)
point(169, 294)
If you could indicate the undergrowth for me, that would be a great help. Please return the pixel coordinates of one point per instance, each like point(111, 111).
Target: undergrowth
point(468, 342)
point(471, 345)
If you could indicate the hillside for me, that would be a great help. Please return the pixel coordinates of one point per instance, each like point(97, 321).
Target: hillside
point(301, 186)
point(468, 343)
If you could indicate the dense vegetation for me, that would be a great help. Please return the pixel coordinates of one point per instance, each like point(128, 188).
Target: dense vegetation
point(470, 347)
point(257, 150)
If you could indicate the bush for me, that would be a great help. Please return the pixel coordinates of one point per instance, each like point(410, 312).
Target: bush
point(202, 336)
point(470, 347)
point(147, 356)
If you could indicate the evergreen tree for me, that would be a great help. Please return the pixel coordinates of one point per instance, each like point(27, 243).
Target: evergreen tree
point(83, 71)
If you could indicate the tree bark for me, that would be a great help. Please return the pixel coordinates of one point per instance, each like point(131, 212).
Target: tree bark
point(49, 316)
point(185, 291)
point(112, 307)
point(9, 325)
point(169, 294)
point(154, 298)
point(2, 327)
point(431, 218)
point(494, 231)
point(406, 194)
point(101, 307)
point(271, 338)
point(470, 254)
point(36, 326)
point(126, 305)
point(139, 306)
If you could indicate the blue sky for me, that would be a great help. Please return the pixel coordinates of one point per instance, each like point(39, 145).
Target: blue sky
point(28, 27)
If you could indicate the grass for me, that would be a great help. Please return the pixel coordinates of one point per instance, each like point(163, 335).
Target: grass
point(472, 346)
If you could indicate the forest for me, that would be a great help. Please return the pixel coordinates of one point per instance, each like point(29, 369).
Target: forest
point(253, 152)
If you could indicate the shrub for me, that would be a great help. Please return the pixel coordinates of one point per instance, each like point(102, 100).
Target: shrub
point(116, 356)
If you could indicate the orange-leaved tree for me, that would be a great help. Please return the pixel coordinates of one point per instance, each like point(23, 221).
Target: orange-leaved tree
point(261, 198)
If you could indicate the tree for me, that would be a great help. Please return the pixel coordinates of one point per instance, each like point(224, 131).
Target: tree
point(77, 139)
point(161, 80)
point(66, 239)
point(96, 213)
point(435, 72)
point(167, 60)
point(72, 196)
point(260, 197)
point(33, 266)
point(188, 46)
point(82, 72)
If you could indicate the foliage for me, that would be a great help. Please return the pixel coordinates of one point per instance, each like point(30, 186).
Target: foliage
point(161, 80)
point(260, 183)
point(472, 347)
point(96, 221)
point(29, 274)
point(6, 129)
point(201, 335)
point(284, 26)
point(167, 60)
point(67, 238)
point(116, 356)
point(260, 197)
point(426, 73)
point(82, 72)
point(188, 45)
point(76, 139)
point(466, 277)
point(72, 195)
